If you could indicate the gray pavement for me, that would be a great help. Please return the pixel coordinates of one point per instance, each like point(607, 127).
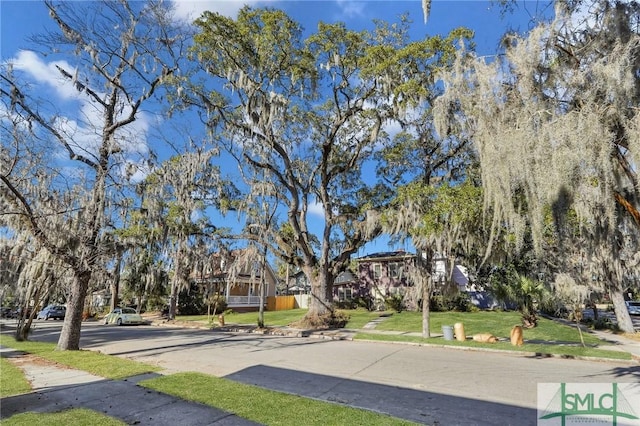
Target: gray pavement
point(451, 397)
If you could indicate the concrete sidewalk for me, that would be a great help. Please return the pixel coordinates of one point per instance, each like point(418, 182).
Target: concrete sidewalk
point(619, 342)
point(616, 341)
point(57, 388)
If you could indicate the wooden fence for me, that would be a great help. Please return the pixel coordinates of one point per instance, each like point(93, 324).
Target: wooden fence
point(281, 303)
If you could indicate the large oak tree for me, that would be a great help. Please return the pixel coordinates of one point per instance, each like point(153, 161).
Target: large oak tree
point(309, 113)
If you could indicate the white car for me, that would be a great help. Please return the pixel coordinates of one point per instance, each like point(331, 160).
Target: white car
point(122, 316)
point(633, 307)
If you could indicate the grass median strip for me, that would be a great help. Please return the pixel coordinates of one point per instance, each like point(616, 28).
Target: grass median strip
point(357, 317)
point(264, 406)
point(92, 362)
point(539, 348)
point(498, 323)
point(12, 380)
point(78, 416)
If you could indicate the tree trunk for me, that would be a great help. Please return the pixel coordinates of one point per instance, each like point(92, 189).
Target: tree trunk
point(262, 285)
point(320, 305)
point(115, 284)
point(173, 301)
point(24, 324)
point(423, 274)
point(26, 315)
point(622, 313)
point(426, 308)
point(70, 335)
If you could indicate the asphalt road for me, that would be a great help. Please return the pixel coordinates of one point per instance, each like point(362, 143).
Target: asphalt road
point(430, 385)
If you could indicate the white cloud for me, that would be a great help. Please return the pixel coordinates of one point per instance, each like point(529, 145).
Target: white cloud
point(189, 10)
point(45, 73)
point(351, 9)
point(316, 209)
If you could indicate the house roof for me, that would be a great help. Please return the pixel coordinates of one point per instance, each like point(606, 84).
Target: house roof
point(387, 255)
point(220, 263)
point(345, 277)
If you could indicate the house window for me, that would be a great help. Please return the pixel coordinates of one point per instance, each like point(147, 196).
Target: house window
point(377, 270)
point(395, 270)
point(345, 293)
point(396, 291)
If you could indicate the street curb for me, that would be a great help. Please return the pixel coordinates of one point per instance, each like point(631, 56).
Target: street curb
point(633, 361)
point(348, 334)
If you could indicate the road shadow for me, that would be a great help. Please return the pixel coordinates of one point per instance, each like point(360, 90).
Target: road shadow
point(95, 337)
point(630, 372)
point(415, 405)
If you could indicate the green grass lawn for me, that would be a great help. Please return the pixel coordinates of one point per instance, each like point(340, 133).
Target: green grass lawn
point(498, 323)
point(542, 349)
point(264, 406)
point(78, 416)
point(271, 318)
point(357, 318)
point(548, 338)
point(12, 380)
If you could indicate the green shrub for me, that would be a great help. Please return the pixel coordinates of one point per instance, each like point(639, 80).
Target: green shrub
point(459, 303)
point(602, 323)
point(217, 303)
point(395, 303)
point(339, 319)
point(191, 302)
point(156, 303)
point(364, 302)
point(346, 304)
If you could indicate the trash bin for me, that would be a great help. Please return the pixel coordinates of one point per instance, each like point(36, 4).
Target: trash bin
point(447, 332)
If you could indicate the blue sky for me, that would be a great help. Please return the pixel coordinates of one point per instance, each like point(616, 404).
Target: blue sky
point(20, 19)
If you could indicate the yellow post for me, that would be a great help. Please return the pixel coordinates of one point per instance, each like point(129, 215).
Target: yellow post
point(458, 329)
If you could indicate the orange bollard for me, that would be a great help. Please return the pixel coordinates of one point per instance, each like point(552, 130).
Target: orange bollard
point(516, 336)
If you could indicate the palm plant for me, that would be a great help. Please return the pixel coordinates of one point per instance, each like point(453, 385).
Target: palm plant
point(527, 294)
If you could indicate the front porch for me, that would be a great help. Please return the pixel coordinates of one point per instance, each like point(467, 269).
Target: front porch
point(244, 301)
point(242, 286)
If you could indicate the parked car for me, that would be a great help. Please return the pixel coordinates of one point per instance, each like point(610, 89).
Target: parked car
point(122, 316)
point(53, 312)
point(633, 307)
